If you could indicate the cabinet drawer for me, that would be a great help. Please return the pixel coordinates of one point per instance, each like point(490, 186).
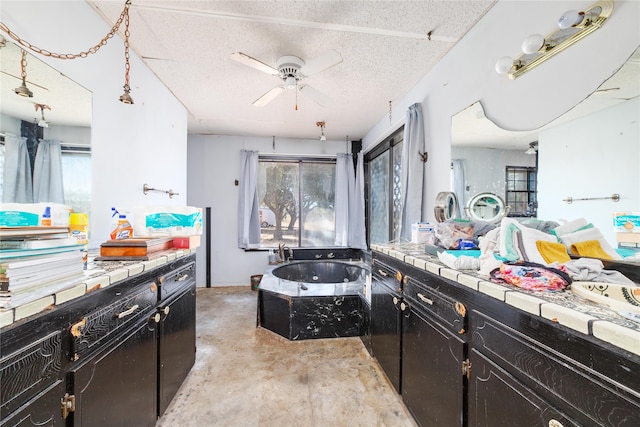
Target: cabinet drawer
point(93, 329)
point(174, 281)
point(452, 313)
point(389, 275)
point(567, 384)
point(23, 373)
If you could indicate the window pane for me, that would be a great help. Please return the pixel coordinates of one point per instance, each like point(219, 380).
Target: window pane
point(76, 178)
point(379, 221)
point(397, 189)
point(318, 197)
point(278, 198)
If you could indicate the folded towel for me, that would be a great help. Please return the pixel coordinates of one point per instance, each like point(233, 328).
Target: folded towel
point(570, 227)
point(514, 247)
point(553, 251)
point(590, 248)
point(587, 234)
point(592, 270)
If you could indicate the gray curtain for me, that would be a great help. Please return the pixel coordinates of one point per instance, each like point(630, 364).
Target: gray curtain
point(458, 184)
point(248, 209)
point(412, 171)
point(47, 173)
point(357, 233)
point(16, 177)
point(345, 185)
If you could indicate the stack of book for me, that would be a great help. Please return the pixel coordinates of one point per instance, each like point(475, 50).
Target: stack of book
point(35, 262)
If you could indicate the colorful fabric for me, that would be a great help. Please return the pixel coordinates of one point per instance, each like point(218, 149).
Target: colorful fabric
point(531, 276)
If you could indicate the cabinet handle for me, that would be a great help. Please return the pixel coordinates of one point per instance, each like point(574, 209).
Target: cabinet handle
point(403, 306)
point(395, 300)
point(181, 278)
point(554, 423)
point(166, 310)
point(127, 312)
point(425, 299)
point(157, 318)
point(383, 273)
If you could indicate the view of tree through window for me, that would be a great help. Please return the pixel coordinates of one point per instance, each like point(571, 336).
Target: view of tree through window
point(296, 202)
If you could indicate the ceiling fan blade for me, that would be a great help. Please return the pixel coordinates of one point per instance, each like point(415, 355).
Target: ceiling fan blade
point(268, 97)
point(321, 63)
point(318, 97)
point(254, 63)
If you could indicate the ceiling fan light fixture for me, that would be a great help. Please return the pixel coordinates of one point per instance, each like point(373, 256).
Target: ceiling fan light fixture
point(42, 122)
point(533, 148)
point(290, 82)
point(321, 126)
point(125, 98)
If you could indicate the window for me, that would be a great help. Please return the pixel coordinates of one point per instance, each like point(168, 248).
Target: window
point(521, 191)
point(76, 177)
point(384, 183)
point(296, 201)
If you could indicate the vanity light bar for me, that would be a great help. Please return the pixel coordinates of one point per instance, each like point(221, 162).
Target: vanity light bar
point(557, 41)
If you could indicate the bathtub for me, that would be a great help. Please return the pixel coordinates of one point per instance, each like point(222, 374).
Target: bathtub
point(312, 299)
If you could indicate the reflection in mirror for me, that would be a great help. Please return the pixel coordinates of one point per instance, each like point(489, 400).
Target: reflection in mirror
point(486, 207)
point(446, 206)
point(57, 118)
point(580, 154)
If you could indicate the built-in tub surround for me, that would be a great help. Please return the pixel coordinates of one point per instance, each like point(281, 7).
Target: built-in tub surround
point(312, 299)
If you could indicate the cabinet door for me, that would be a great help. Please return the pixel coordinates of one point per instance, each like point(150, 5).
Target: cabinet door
point(432, 380)
point(385, 331)
point(118, 386)
point(497, 399)
point(176, 345)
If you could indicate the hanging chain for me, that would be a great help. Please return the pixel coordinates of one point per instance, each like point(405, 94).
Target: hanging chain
point(23, 65)
point(390, 114)
point(124, 16)
point(127, 67)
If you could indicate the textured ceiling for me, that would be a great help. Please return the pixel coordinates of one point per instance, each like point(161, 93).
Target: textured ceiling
point(383, 44)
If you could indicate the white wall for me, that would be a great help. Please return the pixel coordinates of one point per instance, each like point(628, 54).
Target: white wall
point(608, 163)
point(214, 165)
point(466, 75)
point(131, 144)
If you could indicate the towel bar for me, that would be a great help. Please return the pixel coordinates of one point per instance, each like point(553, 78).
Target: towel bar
point(171, 193)
point(615, 197)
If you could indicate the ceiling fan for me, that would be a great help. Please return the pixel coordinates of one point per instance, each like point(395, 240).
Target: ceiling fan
point(292, 70)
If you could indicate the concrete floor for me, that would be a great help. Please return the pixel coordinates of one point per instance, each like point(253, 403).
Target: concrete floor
point(246, 376)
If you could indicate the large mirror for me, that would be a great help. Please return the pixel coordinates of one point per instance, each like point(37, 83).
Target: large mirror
point(59, 110)
point(591, 152)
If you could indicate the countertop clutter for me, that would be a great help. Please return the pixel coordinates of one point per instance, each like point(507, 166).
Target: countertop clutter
point(99, 274)
point(565, 307)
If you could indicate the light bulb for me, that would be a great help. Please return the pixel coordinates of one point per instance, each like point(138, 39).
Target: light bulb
point(290, 82)
point(533, 43)
point(569, 19)
point(504, 64)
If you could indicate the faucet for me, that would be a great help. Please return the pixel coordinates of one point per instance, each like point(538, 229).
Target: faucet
point(281, 252)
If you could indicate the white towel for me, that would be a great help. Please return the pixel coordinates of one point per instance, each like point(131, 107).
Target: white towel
point(529, 238)
point(570, 227)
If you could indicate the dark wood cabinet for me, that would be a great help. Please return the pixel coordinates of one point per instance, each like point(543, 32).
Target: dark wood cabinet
point(117, 387)
point(386, 326)
point(113, 357)
point(497, 399)
point(468, 359)
point(176, 344)
point(432, 380)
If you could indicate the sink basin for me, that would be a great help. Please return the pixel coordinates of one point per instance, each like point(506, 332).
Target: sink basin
point(618, 297)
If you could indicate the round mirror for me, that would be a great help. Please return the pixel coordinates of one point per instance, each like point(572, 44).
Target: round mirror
point(446, 206)
point(488, 207)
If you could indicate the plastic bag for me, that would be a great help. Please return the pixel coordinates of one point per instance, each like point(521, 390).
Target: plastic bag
point(451, 234)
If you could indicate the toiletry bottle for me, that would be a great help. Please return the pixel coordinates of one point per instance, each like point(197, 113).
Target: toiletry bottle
point(79, 230)
point(46, 217)
point(123, 229)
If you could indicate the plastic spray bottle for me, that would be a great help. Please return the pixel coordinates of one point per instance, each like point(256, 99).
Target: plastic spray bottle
point(123, 228)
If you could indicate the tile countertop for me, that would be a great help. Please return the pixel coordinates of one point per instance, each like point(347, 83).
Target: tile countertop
point(99, 274)
point(565, 308)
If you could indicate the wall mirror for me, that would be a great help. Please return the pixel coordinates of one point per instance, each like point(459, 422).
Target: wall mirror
point(481, 153)
point(67, 114)
point(488, 207)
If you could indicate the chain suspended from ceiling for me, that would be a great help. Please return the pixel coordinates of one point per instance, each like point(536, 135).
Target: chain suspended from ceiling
point(124, 17)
